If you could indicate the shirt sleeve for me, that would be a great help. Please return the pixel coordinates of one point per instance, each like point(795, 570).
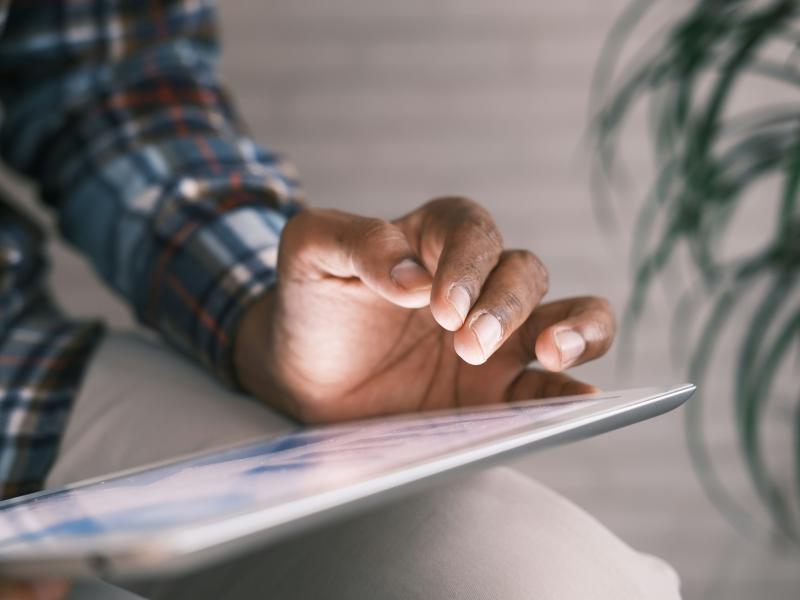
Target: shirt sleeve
point(43, 355)
point(115, 109)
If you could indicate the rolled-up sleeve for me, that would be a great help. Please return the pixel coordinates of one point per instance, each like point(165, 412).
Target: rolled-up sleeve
point(116, 110)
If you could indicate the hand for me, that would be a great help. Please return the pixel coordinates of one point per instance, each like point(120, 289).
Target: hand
point(370, 317)
point(17, 590)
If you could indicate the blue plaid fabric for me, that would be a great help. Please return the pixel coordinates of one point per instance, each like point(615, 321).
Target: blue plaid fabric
point(115, 109)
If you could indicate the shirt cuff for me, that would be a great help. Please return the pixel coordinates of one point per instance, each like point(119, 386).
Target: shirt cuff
point(49, 355)
point(208, 274)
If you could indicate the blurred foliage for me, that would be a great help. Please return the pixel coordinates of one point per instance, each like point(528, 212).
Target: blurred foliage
point(709, 157)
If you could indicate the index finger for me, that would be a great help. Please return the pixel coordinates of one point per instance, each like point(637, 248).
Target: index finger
point(460, 244)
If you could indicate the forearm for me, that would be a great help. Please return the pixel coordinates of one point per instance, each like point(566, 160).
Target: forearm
point(136, 145)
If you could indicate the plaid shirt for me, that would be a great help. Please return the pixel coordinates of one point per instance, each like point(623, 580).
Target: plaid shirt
point(115, 109)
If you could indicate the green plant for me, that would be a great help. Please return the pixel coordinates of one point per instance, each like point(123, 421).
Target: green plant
point(709, 156)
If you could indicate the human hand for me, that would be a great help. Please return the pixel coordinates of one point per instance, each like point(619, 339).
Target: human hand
point(41, 590)
point(429, 311)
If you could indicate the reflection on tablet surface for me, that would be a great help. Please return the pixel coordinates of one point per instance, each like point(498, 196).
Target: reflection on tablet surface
point(265, 474)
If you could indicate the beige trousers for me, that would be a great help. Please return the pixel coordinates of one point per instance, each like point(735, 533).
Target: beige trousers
point(494, 535)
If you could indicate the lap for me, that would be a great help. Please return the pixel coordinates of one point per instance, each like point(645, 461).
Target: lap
point(492, 535)
point(141, 402)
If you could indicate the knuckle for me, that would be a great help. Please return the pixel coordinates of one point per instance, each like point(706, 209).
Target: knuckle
point(452, 204)
point(513, 305)
point(372, 230)
point(371, 235)
point(481, 262)
point(469, 215)
point(600, 321)
point(530, 264)
point(509, 310)
point(372, 240)
point(465, 274)
point(542, 275)
point(604, 305)
point(609, 323)
point(485, 226)
point(522, 259)
point(599, 304)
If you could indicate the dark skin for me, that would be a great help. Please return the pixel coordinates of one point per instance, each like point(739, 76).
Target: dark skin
point(347, 334)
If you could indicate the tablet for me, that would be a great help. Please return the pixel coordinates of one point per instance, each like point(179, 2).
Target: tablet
point(187, 513)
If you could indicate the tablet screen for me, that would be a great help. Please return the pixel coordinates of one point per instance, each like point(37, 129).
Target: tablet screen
point(271, 473)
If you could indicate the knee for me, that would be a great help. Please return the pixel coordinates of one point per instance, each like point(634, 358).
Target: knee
point(493, 535)
point(500, 535)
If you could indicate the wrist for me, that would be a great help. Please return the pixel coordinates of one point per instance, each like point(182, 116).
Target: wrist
point(253, 353)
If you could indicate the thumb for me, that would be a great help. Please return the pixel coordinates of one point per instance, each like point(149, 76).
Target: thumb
point(331, 243)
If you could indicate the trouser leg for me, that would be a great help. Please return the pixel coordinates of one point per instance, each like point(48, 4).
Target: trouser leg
point(496, 534)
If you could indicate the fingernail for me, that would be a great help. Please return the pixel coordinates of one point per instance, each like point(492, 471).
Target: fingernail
point(460, 301)
point(488, 331)
point(570, 345)
point(410, 275)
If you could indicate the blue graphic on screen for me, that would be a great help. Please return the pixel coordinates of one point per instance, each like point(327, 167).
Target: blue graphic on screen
point(262, 475)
